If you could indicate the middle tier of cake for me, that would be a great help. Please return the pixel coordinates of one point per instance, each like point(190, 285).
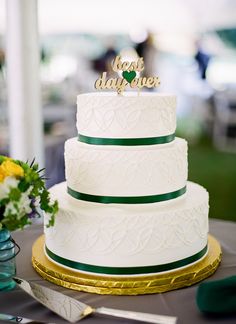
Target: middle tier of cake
point(126, 170)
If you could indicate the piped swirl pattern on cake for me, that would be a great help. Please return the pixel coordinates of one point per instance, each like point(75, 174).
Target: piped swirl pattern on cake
point(108, 115)
point(129, 236)
point(126, 171)
point(119, 235)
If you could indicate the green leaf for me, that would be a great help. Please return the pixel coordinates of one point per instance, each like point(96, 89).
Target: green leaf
point(2, 158)
point(14, 194)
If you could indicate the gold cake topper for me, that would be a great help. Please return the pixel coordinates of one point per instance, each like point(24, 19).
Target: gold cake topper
point(129, 74)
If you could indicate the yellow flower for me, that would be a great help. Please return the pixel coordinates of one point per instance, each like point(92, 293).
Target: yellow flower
point(2, 175)
point(10, 169)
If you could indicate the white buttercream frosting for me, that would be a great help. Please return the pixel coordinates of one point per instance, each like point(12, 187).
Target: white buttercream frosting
point(126, 170)
point(109, 115)
point(129, 235)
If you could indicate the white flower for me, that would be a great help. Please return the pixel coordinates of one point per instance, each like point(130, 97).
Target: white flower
point(37, 202)
point(5, 187)
point(24, 205)
point(19, 208)
point(11, 208)
point(28, 191)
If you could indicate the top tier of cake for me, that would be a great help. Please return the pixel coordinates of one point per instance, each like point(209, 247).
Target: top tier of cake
point(132, 115)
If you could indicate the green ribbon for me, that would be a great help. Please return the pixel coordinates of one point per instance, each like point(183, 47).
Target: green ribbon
point(126, 270)
point(126, 141)
point(125, 199)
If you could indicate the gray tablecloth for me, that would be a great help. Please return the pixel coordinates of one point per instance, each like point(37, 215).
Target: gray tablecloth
point(180, 303)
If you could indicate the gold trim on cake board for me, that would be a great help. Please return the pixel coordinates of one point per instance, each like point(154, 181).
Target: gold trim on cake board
point(136, 285)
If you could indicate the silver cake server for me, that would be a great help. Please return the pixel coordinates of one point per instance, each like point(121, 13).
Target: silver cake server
point(19, 319)
point(73, 310)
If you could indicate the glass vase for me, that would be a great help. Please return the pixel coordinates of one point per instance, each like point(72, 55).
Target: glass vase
point(7, 260)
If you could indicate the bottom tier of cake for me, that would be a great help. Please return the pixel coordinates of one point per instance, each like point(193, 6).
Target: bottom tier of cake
point(116, 239)
point(122, 285)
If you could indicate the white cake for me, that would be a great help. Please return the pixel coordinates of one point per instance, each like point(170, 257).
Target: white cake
point(126, 207)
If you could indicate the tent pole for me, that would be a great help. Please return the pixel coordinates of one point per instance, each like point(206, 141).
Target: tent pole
point(23, 83)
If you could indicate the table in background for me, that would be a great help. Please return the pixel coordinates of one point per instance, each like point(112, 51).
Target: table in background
point(180, 303)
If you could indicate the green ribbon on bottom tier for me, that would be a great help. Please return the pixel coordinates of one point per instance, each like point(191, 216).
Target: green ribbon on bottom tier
point(126, 141)
point(126, 270)
point(126, 200)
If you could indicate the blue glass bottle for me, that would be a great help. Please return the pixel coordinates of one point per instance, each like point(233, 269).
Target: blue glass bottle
point(7, 261)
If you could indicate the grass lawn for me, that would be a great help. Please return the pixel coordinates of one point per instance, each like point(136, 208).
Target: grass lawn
point(216, 171)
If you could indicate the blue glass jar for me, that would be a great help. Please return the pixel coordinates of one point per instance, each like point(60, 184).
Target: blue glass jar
point(7, 260)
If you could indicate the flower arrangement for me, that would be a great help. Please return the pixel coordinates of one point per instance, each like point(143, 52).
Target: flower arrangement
point(22, 194)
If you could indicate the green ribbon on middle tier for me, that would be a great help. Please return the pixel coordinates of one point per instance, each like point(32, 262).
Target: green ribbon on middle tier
point(125, 199)
point(126, 141)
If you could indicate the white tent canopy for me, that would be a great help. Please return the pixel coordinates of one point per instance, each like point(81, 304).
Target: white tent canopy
point(105, 16)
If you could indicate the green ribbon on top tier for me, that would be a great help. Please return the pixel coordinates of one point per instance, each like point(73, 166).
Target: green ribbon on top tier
point(126, 200)
point(126, 141)
point(126, 270)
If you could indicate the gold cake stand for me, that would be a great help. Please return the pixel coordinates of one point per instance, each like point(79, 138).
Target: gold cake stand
point(148, 284)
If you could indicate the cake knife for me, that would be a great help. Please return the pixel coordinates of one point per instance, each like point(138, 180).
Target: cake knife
point(73, 310)
point(19, 319)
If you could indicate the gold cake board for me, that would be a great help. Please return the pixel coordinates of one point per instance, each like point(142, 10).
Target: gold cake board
point(137, 285)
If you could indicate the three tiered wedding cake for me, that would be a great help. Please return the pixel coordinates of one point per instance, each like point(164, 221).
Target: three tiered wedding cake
point(126, 207)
